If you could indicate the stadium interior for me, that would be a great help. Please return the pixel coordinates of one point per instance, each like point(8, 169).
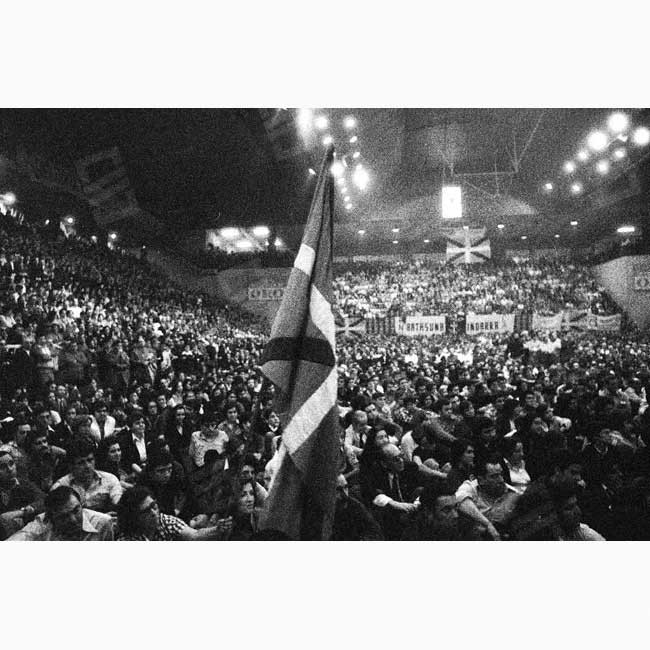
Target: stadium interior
point(489, 285)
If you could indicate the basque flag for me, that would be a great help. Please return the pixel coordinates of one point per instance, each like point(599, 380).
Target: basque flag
point(468, 246)
point(300, 361)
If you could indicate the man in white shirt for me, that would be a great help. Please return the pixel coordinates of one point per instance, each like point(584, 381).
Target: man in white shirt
point(66, 520)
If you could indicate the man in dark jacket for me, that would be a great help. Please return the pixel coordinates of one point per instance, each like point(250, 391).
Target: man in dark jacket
point(352, 521)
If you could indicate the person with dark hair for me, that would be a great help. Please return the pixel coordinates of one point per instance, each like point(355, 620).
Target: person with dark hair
point(485, 440)
point(462, 463)
point(565, 499)
point(134, 444)
point(245, 511)
point(63, 432)
point(465, 426)
point(97, 490)
point(66, 520)
point(20, 499)
point(167, 482)
point(207, 486)
point(352, 520)
point(437, 518)
point(597, 455)
point(209, 437)
point(45, 462)
point(487, 502)
point(140, 519)
point(109, 459)
point(430, 457)
point(248, 472)
point(102, 424)
point(445, 423)
point(514, 465)
point(178, 433)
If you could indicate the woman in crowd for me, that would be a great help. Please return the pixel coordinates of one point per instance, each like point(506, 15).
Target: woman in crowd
point(109, 459)
point(514, 465)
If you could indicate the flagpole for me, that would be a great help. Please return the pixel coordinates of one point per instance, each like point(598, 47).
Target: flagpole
point(300, 360)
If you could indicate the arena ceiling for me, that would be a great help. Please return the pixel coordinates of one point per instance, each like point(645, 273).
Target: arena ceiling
point(195, 168)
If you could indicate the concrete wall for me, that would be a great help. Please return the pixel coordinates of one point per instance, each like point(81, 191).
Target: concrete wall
point(231, 286)
point(627, 279)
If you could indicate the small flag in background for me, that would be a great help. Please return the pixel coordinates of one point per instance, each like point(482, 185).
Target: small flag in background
point(468, 246)
point(300, 361)
point(347, 327)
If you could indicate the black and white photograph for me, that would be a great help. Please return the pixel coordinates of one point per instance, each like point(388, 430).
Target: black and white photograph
point(446, 337)
point(359, 296)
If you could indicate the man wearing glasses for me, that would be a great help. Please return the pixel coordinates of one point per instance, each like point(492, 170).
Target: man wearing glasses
point(66, 520)
point(140, 519)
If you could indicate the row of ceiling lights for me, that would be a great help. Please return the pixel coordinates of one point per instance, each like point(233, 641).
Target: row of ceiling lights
point(621, 230)
point(307, 121)
point(598, 143)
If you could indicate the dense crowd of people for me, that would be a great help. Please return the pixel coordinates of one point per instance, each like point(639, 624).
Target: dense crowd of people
point(133, 409)
point(429, 288)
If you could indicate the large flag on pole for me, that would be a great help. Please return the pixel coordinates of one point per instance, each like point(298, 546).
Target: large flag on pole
point(300, 361)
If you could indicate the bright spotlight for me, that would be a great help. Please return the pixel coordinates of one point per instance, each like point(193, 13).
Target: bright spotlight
point(597, 141)
point(583, 155)
point(261, 231)
point(619, 153)
point(69, 220)
point(395, 241)
point(426, 241)
point(395, 230)
point(500, 226)
point(576, 188)
point(348, 206)
point(602, 166)
point(548, 187)
point(321, 122)
point(337, 168)
point(556, 236)
point(9, 198)
point(305, 117)
point(229, 233)
point(465, 227)
point(356, 154)
point(278, 242)
point(524, 237)
point(112, 236)
point(93, 239)
point(349, 122)
point(354, 139)
point(47, 222)
point(624, 230)
point(327, 140)
point(362, 232)
point(618, 122)
point(312, 172)
point(641, 136)
point(574, 223)
point(360, 177)
point(569, 166)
